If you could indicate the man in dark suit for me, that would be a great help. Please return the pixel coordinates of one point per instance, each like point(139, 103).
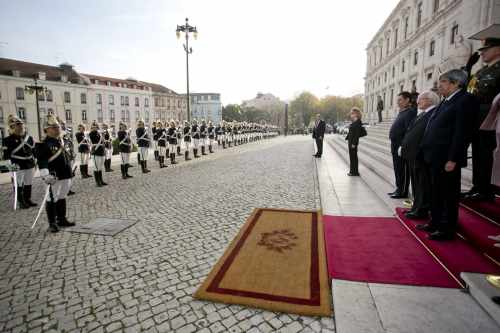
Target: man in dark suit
point(410, 152)
point(398, 129)
point(444, 147)
point(319, 134)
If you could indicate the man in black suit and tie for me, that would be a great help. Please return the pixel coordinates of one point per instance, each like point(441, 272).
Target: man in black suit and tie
point(319, 134)
point(397, 132)
point(410, 152)
point(444, 147)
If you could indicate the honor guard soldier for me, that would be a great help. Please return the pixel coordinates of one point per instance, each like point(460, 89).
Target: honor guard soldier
point(68, 145)
point(108, 147)
point(55, 170)
point(218, 133)
point(229, 134)
point(19, 147)
point(124, 147)
point(186, 132)
point(97, 152)
point(211, 136)
point(154, 127)
point(161, 134)
point(179, 137)
point(485, 85)
point(143, 142)
point(173, 141)
point(195, 132)
point(84, 150)
point(203, 136)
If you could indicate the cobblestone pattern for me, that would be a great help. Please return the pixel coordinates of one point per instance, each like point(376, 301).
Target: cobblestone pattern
point(142, 279)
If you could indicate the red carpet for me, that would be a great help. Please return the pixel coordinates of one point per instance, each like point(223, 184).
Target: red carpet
point(457, 255)
point(490, 210)
point(380, 250)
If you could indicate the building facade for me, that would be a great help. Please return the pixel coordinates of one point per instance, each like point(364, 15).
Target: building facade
point(418, 41)
point(265, 102)
point(79, 98)
point(206, 106)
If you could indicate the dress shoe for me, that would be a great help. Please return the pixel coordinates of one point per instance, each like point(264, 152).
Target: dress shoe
point(496, 299)
point(441, 236)
point(350, 174)
point(315, 155)
point(392, 193)
point(318, 156)
point(495, 238)
point(467, 194)
point(416, 216)
point(481, 197)
point(427, 227)
point(398, 196)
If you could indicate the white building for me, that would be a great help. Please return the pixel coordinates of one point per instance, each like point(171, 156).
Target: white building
point(265, 102)
point(206, 106)
point(419, 40)
point(81, 98)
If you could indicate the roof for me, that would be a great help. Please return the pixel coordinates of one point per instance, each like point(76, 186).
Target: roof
point(53, 73)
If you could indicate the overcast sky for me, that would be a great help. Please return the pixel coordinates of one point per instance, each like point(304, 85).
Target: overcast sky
point(244, 47)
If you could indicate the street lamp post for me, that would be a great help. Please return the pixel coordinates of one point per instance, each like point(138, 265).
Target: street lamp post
point(187, 29)
point(36, 89)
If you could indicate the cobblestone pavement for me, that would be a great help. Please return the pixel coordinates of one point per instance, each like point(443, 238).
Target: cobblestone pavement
point(143, 278)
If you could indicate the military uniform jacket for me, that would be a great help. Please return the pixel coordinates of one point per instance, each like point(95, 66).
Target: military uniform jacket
point(107, 140)
point(187, 136)
point(83, 143)
point(228, 130)
point(195, 130)
point(219, 130)
point(68, 145)
point(179, 132)
point(486, 87)
point(125, 145)
point(154, 130)
point(161, 133)
point(19, 149)
point(97, 140)
point(52, 156)
point(172, 135)
point(142, 137)
point(211, 132)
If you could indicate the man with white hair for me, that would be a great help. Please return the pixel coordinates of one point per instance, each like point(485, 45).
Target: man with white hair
point(410, 151)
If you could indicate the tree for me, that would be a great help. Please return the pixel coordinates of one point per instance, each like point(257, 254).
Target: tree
point(232, 112)
point(302, 109)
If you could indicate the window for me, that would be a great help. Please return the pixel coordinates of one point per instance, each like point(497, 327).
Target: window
point(429, 76)
point(126, 100)
point(388, 46)
point(67, 97)
point(83, 98)
point(1, 115)
point(432, 48)
point(454, 34)
point(84, 116)
point(50, 111)
point(137, 101)
point(111, 99)
point(396, 37)
point(156, 101)
point(112, 116)
point(436, 6)
point(415, 58)
point(401, 88)
point(419, 15)
point(403, 66)
point(407, 25)
point(21, 113)
point(122, 100)
point(392, 97)
point(179, 103)
point(67, 113)
point(146, 102)
point(48, 96)
point(99, 98)
point(385, 76)
point(100, 116)
point(41, 96)
point(146, 116)
point(19, 93)
point(157, 114)
point(137, 115)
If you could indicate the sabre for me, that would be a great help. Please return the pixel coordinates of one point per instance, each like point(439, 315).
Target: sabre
point(14, 182)
point(42, 205)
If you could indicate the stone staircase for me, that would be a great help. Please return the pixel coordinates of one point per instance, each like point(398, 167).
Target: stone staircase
point(374, 152)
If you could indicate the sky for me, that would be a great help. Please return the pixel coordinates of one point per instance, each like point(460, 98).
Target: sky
point(243, 47)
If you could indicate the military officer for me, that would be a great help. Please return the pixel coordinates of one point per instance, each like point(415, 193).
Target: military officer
point(108, 147)
point(195, 132)
point(211, 136)
point(229, 136)
point(98, 153)
point(84, 150)
point(179, 137)
point(485, 85)
point(18, 148)
point(187, 139)
point(143, 142)
point(125, 147)
point(203, 136)
point(161, 134)
point(218, 134)
point(68, 145)
point(55, 170)
point(173, 138)
point(155, 139)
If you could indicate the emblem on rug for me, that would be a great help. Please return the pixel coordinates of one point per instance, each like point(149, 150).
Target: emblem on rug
point(278, 240)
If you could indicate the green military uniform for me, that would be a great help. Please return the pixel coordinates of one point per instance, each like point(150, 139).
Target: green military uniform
point(485, 85)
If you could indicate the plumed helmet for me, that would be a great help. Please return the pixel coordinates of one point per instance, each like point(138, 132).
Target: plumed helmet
point(94, 125)
point(50, 121)
point(13, 121)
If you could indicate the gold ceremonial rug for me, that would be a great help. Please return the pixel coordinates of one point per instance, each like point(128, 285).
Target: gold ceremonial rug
point(276, 262)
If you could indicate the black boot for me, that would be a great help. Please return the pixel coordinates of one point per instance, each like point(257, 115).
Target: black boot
point(145, 167)
point(203, 150)
point(97, 180)
point(107, 163)
point(124, 173)
point(186, 156)
point(172, 158)
point(61, 214)
point(195, 153)
point(20, 198)
point(210, 149)
point(126, 166)
point(179, 151)
point(50, 208)
point(100, 178)
point(168, 152)
point(27, 196)
point(157, 155)
point(218, 142)
point(223, 144)
point(162, 162)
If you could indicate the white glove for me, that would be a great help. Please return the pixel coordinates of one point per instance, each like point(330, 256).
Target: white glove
point(50, 180)
point(399, 151)
point(44, 172)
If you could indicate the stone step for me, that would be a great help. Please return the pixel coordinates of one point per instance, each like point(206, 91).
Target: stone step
point(482, 291)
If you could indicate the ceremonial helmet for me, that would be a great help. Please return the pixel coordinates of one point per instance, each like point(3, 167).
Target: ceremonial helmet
point(172, 123)
point(140, 123)
point(104, 126)
point(81, 127)
point(186, 123)
point(50, 121)
point(94, 125)
point(122, 126)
